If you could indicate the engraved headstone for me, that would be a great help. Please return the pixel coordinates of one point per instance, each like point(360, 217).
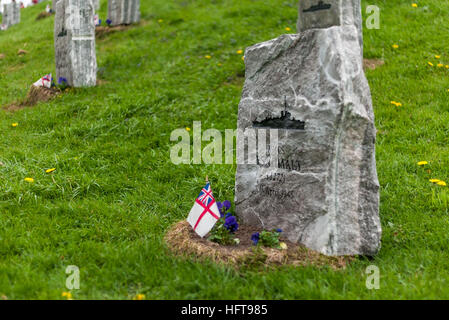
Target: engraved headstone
point(75, 55)
point(96, 5)
point(16, 12)
point(123, 12)
point(328, 13)
point(11, 14)
point(322, 187)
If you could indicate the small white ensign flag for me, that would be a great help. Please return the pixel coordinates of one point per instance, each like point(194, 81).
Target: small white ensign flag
point(204, 213)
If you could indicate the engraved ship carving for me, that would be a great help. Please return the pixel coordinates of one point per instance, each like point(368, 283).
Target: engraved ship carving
point(285, 121)
point(320, 6)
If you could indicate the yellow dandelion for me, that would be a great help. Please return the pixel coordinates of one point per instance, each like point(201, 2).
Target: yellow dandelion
point(283, 246)
point(434, 180)
point(442, 183)
point(440, 65)
point(15, 124)
point(160, 21)
point(414, 5)
point(422, 163)
point(207, 57)
point(139, 296)
point(243, 58)
point(430, 64)
point(67, 295)
point(288, 29)
point(447, 66)
point(239, 51)
point(188, 129)
point(30, 180)
point(395, 46)
point(437, 57)
point(50, 170)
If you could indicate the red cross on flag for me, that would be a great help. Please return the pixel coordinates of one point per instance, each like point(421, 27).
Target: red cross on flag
point(204, 213)
point(45, 81)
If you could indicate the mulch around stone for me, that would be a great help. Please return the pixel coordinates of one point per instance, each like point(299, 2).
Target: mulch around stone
point(101, 31)
point(372, 64)
point(34, 96)
point(183, 241)
point(43, 15)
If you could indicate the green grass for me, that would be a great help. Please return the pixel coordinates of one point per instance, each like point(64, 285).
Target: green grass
point(115, 191)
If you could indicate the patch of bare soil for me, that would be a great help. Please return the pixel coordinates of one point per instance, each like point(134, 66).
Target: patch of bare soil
point(43, 15)
point(102, 31)
point(372, 64)
point(21, 52)
point(182, 240)
point(34, 96)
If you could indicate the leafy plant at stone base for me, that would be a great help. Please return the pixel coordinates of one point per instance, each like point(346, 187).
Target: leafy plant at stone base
point(267, 238)
point(226, 226)
point(62, 84)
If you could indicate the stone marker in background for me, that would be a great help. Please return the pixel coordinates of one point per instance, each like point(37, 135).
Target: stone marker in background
point(53, 5)
point(96, 5)
point(11, 14)
point(16, 12)
point(123, 12)
point(75, 55)
point(328, 13)
point(322, 188)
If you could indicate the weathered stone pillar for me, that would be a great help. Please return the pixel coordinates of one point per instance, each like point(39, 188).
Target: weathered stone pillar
point(11, 13)
point(75, 54)
point(313, 14)
point(123, 11)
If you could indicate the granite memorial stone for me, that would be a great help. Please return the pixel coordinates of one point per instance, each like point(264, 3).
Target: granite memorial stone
point(75, 55)
point(11, 14)
point(123, 12)
point(96, 5)
point(315, 14)
point(322, 189)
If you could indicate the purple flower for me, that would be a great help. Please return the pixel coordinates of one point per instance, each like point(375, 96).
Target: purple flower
point(231, 224)
point(255, 238)
point(279, 230)
point(227, 205)
point(223, 207)
point(62, 80)
point(109, 21)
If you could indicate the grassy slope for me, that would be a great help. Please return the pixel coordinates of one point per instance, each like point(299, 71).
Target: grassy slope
point(115, 191)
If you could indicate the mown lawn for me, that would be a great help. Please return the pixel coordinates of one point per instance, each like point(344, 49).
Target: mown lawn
point(115, 192)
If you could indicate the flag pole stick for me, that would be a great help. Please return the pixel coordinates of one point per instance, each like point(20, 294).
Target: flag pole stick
point(207, 178)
